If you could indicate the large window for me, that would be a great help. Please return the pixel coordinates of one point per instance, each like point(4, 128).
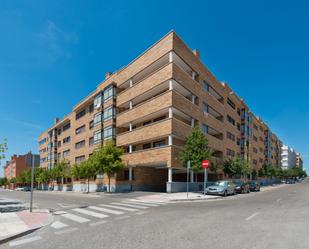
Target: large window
point(230, 153)
point(97, 100)
point(230, 136)
point(108, 132)
point(97, 137)
point(42, 141)
point(230, 120)
point(231, 103)
point(79, 159)
point(97, 118)
point(108, 113)
point(108, 93)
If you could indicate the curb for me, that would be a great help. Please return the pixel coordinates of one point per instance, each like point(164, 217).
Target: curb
point(29, 231)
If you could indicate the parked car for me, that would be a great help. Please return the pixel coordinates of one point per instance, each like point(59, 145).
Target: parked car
point(223, 188)
point(19, 189)
point(290, 181)
point(242, 187)
point(255, 186)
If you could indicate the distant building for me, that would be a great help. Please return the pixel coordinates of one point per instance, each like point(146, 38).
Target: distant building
point(19, 163)
point(299, 161)
point(288, 157)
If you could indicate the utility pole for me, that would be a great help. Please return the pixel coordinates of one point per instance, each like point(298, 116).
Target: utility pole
point(32, 179)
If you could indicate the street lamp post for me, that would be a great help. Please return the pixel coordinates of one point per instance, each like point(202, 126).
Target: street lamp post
point(32, 179)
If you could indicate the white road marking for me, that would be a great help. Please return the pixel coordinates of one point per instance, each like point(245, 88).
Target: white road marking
point(142, 204)
point(25, 241)
point(58, 225)
point(252, 216)
point(123, 217)
point(64, 205)
point(150, 202)
point(141, 213)
point(69, 230)
point(59, 212)
point(75, 218)
point(97, 223)
point(128, 205)
point(90, 213)
point(106, 210)
point(121, 208)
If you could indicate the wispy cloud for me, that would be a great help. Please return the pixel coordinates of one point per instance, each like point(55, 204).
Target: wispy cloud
point(24, 123)
point(55, 38)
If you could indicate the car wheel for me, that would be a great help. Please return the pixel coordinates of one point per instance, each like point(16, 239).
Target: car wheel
point(225, 193)
point(234, 192)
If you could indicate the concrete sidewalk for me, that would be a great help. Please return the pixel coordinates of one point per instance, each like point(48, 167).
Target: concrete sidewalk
point(17, 224)
point(192, 196)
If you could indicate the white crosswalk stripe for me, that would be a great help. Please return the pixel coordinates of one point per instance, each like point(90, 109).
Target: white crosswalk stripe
point(106, 210)
point(150, 202)
point(90, 213)
point(120, 208)
point(128, 205)
point(140, 203)
point(58, 225)
point(75, 218)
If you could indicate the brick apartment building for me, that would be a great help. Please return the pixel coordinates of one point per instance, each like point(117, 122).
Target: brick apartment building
point(19, 163)
point(148, 107)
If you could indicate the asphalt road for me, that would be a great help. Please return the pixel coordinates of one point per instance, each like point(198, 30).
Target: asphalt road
point(278, 218)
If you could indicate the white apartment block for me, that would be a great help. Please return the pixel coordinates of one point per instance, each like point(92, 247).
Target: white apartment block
point(288, 157)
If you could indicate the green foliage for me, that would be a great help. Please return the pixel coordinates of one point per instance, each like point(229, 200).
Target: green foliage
point(61, 170)
point(3, 181)
point(13, 180)
point(24, 177)
point(195, 149)
point(3, 149)
point(42, 175)
point(107, 160)
point(236, 167)
point(84, 170)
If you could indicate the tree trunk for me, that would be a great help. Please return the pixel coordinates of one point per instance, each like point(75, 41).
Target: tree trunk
point(88, 186)
point(109, 183)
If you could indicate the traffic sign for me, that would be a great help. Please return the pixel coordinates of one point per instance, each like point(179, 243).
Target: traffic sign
point(205, 164)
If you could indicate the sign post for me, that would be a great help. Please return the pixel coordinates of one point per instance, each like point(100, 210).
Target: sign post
point(205, 166)
point(188, 172)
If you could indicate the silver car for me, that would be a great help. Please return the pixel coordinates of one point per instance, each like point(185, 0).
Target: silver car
point(223, 188)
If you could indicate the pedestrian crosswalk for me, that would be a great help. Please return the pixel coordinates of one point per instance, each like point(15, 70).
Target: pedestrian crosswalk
point(100, 214)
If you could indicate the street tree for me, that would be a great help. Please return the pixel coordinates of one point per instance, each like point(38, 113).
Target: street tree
point(62, 170)
point(107, 160)
point(84, 170)
point(236, 167)
point(195, 149)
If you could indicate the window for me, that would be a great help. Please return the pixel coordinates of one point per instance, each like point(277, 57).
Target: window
point(238, 126)
point(80, 144)
point(230, 120)
point(261, 139)
point(79, 159)
point(108, 113)
point(255, 138)
point(231, 103)
point(146, 146)
point(59, 132)
point(238, 141)
point(238, 111)
point(255, 127)
point(147, 123)
point(159, 118)
point(91, 108)
point(205, 128)
point(91, 141)
point(230, 153)
point(66, 127)
point(159, 143)
point(212, 91)
point(91, 124)
point(42, 141)
point(108, 132)
point(108, 93)
point(230, 136)
point(59, 144)
point(66, 153)
point(97, 100)
point(66, 140)
point(97, 118)
point(255, 150)
point(261, 150)
point(97, 136)
point(80, 129)
point(80, 114)
point(126, 174)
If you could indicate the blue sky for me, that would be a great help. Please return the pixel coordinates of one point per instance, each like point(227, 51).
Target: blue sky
point(53, 53)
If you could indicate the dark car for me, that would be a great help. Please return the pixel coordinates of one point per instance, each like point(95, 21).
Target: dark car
point(242, 187)
point(290, 181)
point(254, 186)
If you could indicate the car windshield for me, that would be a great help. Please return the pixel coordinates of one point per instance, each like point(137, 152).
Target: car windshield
point(238, 183)
point(222, 184)
point(253, 183)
